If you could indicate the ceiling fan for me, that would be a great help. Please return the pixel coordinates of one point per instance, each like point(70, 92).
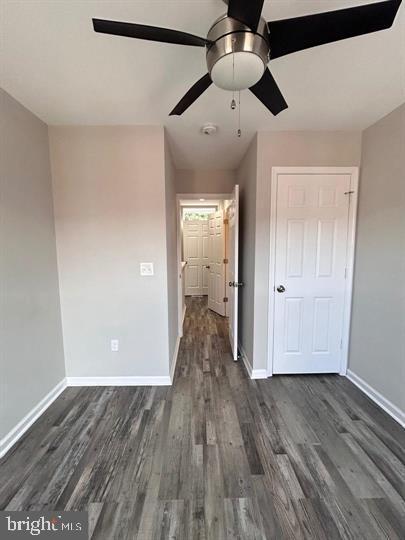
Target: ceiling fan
point(240, 44)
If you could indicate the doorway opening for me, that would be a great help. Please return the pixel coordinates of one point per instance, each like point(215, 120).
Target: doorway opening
point(207, 255)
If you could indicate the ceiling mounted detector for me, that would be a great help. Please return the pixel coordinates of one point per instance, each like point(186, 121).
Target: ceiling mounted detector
point(240, 44)
point(209, 129)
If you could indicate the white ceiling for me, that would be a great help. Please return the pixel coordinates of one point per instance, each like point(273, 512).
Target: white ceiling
point(53, 63)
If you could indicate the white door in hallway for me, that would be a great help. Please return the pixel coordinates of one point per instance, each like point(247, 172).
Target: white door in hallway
point(310, 272)
point(195, 245)
point(233, 275)
point(216, 273)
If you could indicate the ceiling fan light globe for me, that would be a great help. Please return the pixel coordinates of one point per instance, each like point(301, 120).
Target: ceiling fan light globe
point(237, 71)
point(237, 57)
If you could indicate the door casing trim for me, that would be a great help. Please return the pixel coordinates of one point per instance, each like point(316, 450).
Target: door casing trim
point(188, 196)
point(350, 253)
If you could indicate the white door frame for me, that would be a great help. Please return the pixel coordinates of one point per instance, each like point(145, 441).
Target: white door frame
point(189, 196)
point(351, 241)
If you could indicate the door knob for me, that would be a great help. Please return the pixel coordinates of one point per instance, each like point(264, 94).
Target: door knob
point(208, 267)
point(232, 284)
point(281, 288)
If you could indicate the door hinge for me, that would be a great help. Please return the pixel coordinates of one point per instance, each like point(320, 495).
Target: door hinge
point(345, 273)
point(226, 261)
point(226, 221)
point(341, 343)
point(225, 299)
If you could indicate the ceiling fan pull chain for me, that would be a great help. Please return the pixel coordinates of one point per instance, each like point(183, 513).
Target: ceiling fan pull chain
point(233, 102)
point(239, 129)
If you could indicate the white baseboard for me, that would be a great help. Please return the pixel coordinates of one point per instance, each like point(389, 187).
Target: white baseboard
point(253, 373)
point(174, 360)
point(394, 411)
point(119, 381)
point(18, 431)
point(259, 374)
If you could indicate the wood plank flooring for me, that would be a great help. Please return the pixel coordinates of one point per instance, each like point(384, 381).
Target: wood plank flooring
point(215, 456)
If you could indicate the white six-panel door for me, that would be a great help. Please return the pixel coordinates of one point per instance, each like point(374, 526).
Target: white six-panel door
point(310, 272)
point(216, 250)
point(195, 238)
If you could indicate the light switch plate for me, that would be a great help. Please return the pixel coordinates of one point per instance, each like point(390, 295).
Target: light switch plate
point(147, 269)
point(115, 345)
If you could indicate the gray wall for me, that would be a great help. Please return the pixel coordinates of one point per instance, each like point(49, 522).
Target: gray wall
point(171, 250)
point(110, 212)
point(205, 181)
point(31, 355)
point(377, 347)
point(286, 149)
point(247, 180)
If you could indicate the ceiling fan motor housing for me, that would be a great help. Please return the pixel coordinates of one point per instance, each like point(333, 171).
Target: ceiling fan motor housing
point(237, 57)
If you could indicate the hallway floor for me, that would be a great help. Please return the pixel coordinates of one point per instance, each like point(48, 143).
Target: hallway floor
point(216, 455)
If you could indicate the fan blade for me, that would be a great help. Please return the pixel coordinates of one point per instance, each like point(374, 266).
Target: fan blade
point(152, 33)
point(269, 93)
point(246, 12)
point(194, 93)
point(290, 35)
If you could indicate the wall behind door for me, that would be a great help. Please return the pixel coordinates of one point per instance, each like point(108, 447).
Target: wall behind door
point(295, 148)
point(205, 181)
point(247, 180)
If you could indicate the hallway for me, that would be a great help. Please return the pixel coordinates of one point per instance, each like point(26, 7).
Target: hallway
point(216, 455)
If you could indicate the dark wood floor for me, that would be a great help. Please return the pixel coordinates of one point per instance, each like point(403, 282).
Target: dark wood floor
point(216, 455)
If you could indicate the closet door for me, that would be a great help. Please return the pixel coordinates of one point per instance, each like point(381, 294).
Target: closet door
point(310, 272)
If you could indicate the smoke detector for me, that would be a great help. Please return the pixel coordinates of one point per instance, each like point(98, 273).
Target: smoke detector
point(209, 129)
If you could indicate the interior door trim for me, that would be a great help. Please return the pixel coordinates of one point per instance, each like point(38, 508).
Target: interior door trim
point(179, 197)
point(276, 172)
